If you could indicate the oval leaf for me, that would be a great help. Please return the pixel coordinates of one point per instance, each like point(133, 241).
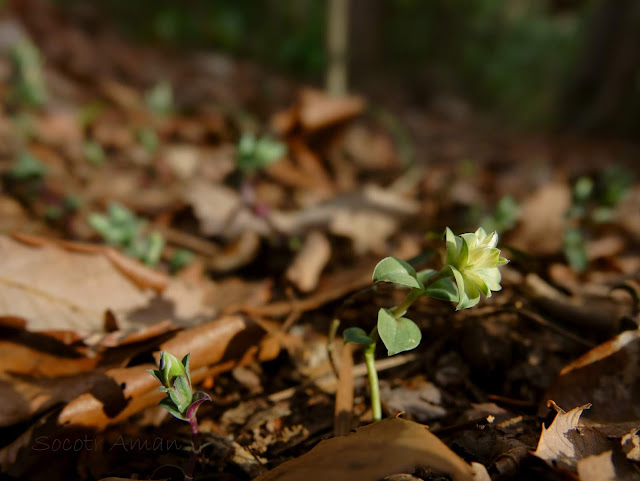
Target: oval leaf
point(357, 335)
point(397, 271)
point(398, 335)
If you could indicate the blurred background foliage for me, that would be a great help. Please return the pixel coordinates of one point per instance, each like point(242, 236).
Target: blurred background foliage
point(516, 59)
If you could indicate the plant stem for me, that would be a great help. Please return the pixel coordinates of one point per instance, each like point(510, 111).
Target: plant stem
point(370, 350)
point(195, 442)
point(398, 311)
point(372, 374)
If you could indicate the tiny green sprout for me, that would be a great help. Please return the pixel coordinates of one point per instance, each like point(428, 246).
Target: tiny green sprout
point(471, 267)
point(120, 227)
point(28, 80)
point(255, 153)
point(159, 99)
point(26, 166)
point(181, 402)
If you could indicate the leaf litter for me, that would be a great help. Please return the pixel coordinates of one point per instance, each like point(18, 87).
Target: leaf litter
point(273, 257)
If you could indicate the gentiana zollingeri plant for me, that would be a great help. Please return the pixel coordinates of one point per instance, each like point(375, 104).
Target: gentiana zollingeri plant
point(471, 265)
point(181, 401)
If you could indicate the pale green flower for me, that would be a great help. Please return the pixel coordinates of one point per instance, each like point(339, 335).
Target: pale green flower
point(474, 261)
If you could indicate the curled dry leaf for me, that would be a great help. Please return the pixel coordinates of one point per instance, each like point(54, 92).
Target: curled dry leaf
point(565, 441)
point(606, 376)
point(373, 452)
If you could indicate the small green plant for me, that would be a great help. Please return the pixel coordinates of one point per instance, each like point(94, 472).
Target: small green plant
point(159, 99)
point(28, 79)
point(594, 200)
point(120, 227)
point(181, 401)
point(256, 153)
point(470, 267)
point(26, 166)
point(504, 217)
point(93, 152)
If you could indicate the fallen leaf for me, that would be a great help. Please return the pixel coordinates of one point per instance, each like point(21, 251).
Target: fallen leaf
point(304, 272)
point(565, 441)
point(543, 221)
point(631, 444)
point(55, 289)
point(221, 211)
point(318, 110)
point(598, 467)
point(606, 376)
point(215, 346)
point(380, 449)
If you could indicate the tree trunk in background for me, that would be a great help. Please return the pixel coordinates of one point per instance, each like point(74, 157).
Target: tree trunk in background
point(337, 42)
point(598, 94)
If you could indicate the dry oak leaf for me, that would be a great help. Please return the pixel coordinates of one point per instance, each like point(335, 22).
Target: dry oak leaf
point(387, 447)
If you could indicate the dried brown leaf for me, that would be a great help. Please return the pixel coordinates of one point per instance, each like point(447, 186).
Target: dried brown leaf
point(373, 452)
point(304, 272)
point(565, 441)
point(607, 376)
point(318, 110)
point(543, 220)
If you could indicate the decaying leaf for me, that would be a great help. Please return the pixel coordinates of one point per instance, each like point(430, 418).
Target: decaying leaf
point(55, 289)
point(387, 447)
point(319, 110)
point(308, 264)
point(565, 441)
point(215, 346)
point(607, 376)
point(598, 467)
point(543, 220)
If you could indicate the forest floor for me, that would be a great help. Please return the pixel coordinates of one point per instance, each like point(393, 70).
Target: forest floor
point(195, 203)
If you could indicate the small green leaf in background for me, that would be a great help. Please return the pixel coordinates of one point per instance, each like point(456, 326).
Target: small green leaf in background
point(27, 166)
point(357, 335)
point(575, 249)
point(504, 217)
point(28, 79)
point(159, 99)
point(398, 335)
point(257, 153)
point(149, 140)
point(391, 269)
point(93, 152)
point(180, 259)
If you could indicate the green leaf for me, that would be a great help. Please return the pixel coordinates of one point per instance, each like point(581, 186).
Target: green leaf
point(444, 289)
point(391, 269)
point(168, 404)
point(399, 334)
point(357, 335)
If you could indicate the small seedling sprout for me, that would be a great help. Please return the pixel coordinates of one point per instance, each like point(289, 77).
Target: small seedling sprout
point(181, 401)
point(471, 265)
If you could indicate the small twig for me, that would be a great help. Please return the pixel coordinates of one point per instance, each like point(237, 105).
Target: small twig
point(554, 327)
point(359, 370)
